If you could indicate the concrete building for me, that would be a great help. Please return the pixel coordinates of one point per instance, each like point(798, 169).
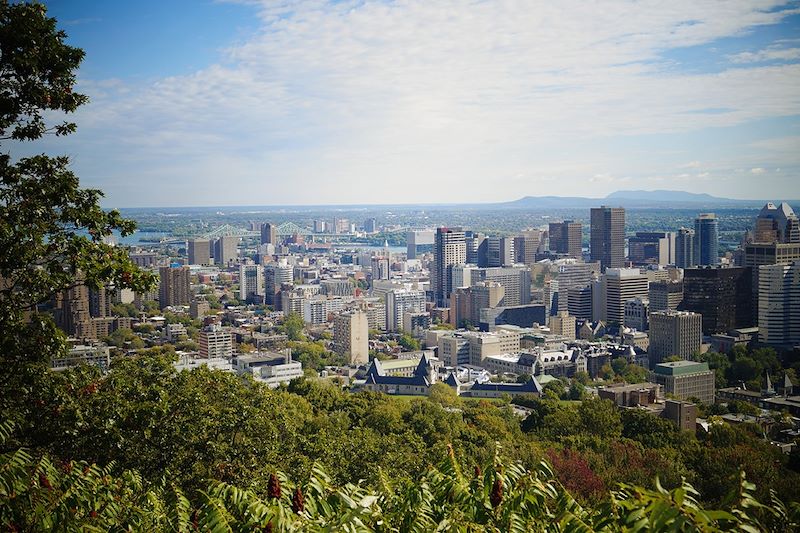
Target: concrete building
point(526, 245)
point(621, 285)
point(637, 311)
point(251, 283)
point(453, 350)
point(173, 288)
point(779, 304)
point(607, 239)
point(523, 316)
point(269, 234)
point(399, 302)
point(566, 238)
point(500, 251)
point(563, 325)
point(579, 301)
point(96, 354)
point(198, 309)
point(665, 295)
point(484, 344)
point(199, 251)
point(516, 282)
point(685, 379)
point(723, 296)
point(317, 310)
point(275, 275)
point(416, 323)
point(652, 247)
point(674, 333)
point(226, 250)
point(351, 336)
point(682, 414)
point(379, 266)
point(463, 274)
point(449, 249)
point(271, 368)
point(371, 225)
point(215, 342)
point(684, 249)
point(419, 242)
point(706, 240)
point(633, 395)
point(467, 302)
point(777, 224)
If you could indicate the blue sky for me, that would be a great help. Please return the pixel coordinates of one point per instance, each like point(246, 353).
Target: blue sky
point(311, 102)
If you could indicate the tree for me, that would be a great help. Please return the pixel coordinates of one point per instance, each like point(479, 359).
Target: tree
point(293, 327)
point(51, 230)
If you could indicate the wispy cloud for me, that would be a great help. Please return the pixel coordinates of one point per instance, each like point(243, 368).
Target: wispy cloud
point(438, 97)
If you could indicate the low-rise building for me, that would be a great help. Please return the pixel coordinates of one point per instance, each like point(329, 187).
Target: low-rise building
point(269, 367)
point(685, 379)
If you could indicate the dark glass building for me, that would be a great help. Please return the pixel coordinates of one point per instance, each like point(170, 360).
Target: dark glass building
point(724, 296)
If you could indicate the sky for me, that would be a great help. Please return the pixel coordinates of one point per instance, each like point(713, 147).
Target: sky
point(354, 102)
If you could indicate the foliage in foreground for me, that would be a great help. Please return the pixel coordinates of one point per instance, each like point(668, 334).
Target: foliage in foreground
point(36, 494)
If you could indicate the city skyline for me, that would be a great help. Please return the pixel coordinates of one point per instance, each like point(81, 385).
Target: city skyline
point(317, 104)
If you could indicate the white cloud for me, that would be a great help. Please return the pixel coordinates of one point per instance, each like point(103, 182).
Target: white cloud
point(758, 170)
point(768, 54)
point(362, 101)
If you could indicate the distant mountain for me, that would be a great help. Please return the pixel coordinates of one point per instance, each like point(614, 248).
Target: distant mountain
point(669, 196)
point(661, 198)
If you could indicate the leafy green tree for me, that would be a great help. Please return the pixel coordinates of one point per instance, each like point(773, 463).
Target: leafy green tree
point(293, 327)
point(409, 343)
point(51, 230)
point(600, 417)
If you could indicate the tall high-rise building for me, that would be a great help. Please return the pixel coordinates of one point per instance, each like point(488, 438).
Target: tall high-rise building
point(199, 252)
point(477, 253)
point(566, 238)
point(320, 226)
point(706, 240)
point(516, 282)
point(226, 250)
point(269, 234)
point(526, 245)
point(607, 239)
point(677, 333)
point(351, 336)
point(380, 267)
point(500, 251)
point(579, 302)
point(777, 224)
point(275, 275)
point(665, 295)
point(174, 286)
point(399, 302)
point(723, 296)
point(684, 249)
point(652, 247)
point(621, 285)
point(449, 249)
point(467, 302)
point(251, 283)
point(371, 225)
point(779, 304)
point(418, 242)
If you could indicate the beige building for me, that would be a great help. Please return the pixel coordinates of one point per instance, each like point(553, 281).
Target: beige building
point(215, 342)
point(174, 286)
point(621, 285)
point(563, 324)
point(674, 333)
point(351, 336)
point(685, 379)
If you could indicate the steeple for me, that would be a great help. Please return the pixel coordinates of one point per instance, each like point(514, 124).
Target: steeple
point(787, 385)
point(768, 390)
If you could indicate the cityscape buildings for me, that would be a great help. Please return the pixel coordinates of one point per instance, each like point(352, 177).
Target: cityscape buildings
point(607, 238)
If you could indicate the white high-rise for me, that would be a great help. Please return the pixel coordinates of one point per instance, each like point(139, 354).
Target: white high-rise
point(779, 304)
point(400, 301)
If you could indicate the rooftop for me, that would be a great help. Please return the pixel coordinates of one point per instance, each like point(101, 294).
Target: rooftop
point(678, 368)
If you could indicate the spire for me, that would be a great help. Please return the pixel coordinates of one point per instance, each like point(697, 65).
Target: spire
point(769, 389)
point(787, 385)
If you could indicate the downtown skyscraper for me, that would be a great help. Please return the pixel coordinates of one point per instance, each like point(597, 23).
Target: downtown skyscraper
point(607, 240)
point(706, 240)
point(449, 248)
